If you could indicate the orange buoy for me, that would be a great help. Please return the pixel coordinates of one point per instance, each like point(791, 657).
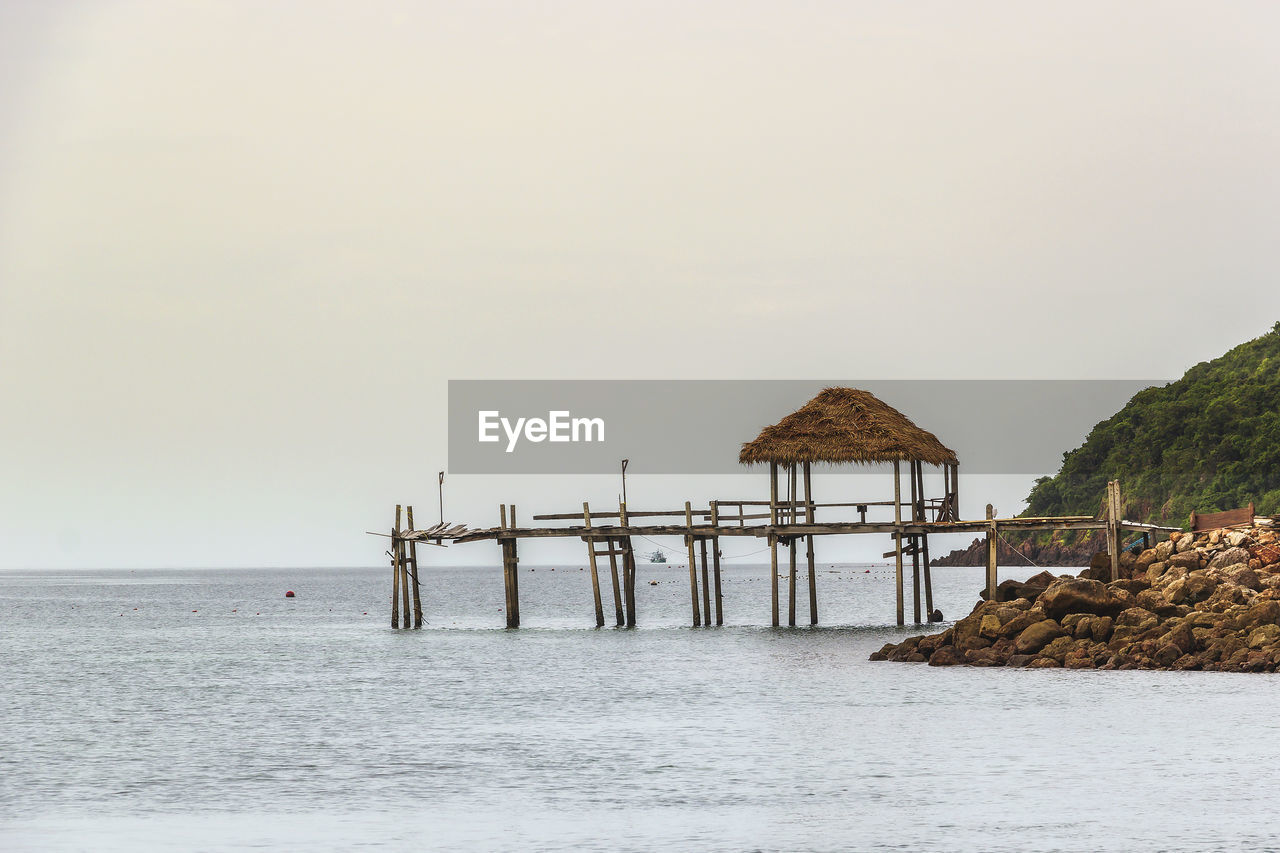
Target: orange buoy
point(289, 594)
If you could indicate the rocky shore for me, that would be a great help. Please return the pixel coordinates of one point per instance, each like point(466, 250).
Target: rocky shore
point(1205, 602)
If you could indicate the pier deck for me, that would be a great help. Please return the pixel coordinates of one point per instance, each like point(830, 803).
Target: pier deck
point(732, 519)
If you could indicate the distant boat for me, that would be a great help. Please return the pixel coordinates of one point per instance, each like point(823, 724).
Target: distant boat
point(657, 557)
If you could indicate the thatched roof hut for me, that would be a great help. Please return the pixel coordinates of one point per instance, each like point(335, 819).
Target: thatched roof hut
point(845, 425)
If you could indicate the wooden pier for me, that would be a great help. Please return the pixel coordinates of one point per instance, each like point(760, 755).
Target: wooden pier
point(838, 426)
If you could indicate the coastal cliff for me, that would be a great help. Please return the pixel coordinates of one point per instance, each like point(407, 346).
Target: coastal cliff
point(1055, 551)
point(1209, 601)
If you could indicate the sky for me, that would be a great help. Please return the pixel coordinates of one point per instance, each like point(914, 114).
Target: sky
point(245, 245)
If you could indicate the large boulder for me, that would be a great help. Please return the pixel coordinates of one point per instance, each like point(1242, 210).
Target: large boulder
point(904, 650)
point(1079, 595)
point(1137, 618)
point(1200, 585)
point(1058, 648)
point(1263, 636)
point(1043, 578)
point(1264, 611)
point(1226, 595)
point(1247, 578)
point(1229, 557)
point(1020, 623)
point(1011, 590)
point(1150, 599)
point(1182, 638)
point(945, 656)
point(1037, 636)
point(1099, 567)
point(965, 633)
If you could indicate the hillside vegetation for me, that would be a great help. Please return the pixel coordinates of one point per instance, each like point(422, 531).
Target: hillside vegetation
point(1209, 441)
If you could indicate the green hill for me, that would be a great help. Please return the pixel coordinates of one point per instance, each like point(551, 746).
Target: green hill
point(1209, 441)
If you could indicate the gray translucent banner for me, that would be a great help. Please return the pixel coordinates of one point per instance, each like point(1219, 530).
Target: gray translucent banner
point(698, 426)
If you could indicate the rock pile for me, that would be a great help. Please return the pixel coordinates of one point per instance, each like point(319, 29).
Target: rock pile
point(1209, 601)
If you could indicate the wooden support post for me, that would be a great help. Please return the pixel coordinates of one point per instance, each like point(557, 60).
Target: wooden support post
point(773, 537)
point(513, 617)
point(1108, 532)
point(613, 573)
point(395, 572)
point(506, 566)
point(628, 567)
point(813, 575)
point(706, 584)
point(413, 562)
point(992, 539)
point(945, 514)
point(1113, 526)
point(923, 543)
point(693, 563)
point(715, 557)
point(595, 573)
point(791, 548)
point(955, 491)
point(928, 578)
point(915, 576)
point(773, 571)
point(915, 550)
point(629, 572)
point(404, 584)
point(897, 537)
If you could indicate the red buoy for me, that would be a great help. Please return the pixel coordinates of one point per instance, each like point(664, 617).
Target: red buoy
point(289, 594)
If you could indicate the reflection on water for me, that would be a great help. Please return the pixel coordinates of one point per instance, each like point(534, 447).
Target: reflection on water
point(203, 710)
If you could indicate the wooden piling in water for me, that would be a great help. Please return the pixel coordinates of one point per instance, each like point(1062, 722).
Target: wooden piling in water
point(992, 553)
point(813, 575)
point(595, 573)
point(515, 571)
point(629, 572)
point(897, 538)
point(615, 547)
point(706, 584)
point(928, 577)
point(791, 547)
point(628, 566)
point(413, 566)
point(915, 549)
point(395, 572)
point(924, 545)
point(773, 537)
point(693, 563)
point(506, 567)
point(715, 556)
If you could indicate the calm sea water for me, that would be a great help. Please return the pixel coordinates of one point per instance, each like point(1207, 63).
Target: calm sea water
point(201, 710)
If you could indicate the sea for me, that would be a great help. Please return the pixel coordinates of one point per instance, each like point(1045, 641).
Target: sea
point(203, 710)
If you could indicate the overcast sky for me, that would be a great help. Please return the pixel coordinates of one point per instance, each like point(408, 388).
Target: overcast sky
point(244, 245)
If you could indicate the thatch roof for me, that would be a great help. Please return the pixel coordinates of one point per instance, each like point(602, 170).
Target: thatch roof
point(845, 425)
